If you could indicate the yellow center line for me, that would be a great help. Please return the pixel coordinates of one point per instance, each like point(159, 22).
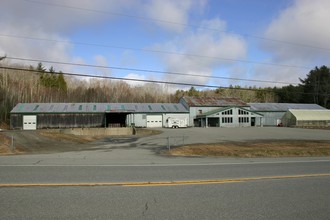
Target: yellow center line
point(164, 183)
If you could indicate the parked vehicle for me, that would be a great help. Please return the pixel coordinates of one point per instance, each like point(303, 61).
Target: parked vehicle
point(177, 122)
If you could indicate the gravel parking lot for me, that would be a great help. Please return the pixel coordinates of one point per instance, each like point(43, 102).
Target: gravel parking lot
point(34, 142)
point(216, 135)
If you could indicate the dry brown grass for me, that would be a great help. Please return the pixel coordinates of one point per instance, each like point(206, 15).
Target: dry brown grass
point(296, 148)
point(5, 149)
point(69, 137)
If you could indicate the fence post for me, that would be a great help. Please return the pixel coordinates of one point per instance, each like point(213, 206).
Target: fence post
point(12, 145)
point(168, 143)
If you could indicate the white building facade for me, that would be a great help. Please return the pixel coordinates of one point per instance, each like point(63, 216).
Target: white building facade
point(220, 112)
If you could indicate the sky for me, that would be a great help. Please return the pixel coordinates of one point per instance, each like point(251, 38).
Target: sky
point(206, 42)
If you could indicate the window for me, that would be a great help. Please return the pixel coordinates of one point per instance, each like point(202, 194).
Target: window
point(200, 111)
point(228, 112)
point(243, 119)
point(94, 108)
point(149, 106)
point(227, 120)
point(242, 112)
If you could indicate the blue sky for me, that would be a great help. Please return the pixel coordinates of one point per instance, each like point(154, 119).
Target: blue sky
point(209, 39)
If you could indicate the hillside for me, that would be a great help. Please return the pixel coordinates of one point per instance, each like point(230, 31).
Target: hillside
point(25, 84)
point(41, 85)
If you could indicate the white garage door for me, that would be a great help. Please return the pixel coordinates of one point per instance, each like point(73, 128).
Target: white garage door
point(154, 121)
point(29, 122)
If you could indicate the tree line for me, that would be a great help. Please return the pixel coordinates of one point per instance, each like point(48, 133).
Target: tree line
point(21, 84)
point(315, 88)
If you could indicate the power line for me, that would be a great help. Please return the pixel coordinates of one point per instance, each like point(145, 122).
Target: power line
point(151, 71)
point(156, 51)
point(131, 79)
point(148, 81)
point(115, 78)
point(177, 23)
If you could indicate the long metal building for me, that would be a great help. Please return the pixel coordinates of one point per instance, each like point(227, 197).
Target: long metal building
point(273, 112)
point(30, 116)
point(306, 118)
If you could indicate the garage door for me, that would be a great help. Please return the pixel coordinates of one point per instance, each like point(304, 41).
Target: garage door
point(154, 121)
point(29, 122)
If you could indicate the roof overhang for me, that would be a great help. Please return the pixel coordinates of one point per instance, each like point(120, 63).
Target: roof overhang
point(209, 113)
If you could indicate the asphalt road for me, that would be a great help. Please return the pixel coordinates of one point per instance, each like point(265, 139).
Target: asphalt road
point(258, 189)
point(122, 179)
point(273, 199)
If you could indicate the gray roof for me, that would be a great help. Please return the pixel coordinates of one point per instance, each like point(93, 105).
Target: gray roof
point(283, 106)
point(99, 108)
point(224, 109)
point(311, 115)
point(213, 102)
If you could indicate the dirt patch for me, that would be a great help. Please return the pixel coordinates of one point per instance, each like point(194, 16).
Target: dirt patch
point(283, 148)
point(69, 137)
point(4, 126)
point(6, 148)
point(147, 132)
point(41, 141)
point(53, 141)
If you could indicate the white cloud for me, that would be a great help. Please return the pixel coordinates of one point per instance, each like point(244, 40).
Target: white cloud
point(103, 64)
point(33, 21)
point(137, 77)
point(201, 53)
point(305, 22)
point(174, 12)
point(302, 23)
point(61, 15)
point(35, 49)
point(101, 60)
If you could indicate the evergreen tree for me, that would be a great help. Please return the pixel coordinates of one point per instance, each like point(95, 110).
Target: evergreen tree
point(316, 86)
point(62, 85)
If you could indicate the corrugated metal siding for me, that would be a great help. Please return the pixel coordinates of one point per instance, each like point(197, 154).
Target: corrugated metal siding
point(61, 120)
point(307, 118)
point(270, 118)
point(272, 112)
point(213, 102)
point(37, 108)
point(311, 115)
point(288, 119)
point(282, 106)
point(140, 120)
